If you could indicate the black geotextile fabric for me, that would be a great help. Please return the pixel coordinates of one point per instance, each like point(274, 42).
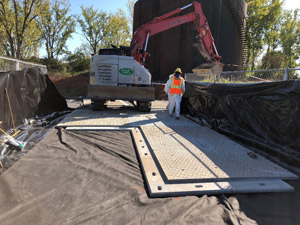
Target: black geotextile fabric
point(30, 93)
point(93, 177)
point(265, 116)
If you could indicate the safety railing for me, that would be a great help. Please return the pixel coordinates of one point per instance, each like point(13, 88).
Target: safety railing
point(255, 76)
point(8, 64)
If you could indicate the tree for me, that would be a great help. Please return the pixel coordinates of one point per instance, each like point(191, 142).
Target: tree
point(290, 40)
point(272, 36)
point(118, 32)
point(54, 65)
point(101, 30)
point(130, 10)
point(273, 60)
point(262, 15)
point(93, 26)
point(57, 27)
point(78, 61)
point(2, 38)
point(18, 19)
point(32, 41)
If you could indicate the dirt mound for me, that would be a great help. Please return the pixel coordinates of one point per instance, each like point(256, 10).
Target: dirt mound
point(73, 86)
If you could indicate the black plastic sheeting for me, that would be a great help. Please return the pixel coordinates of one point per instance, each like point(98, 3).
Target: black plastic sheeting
point(94, 177)
point(264, 116)
point(30, 133)
point(31, 93)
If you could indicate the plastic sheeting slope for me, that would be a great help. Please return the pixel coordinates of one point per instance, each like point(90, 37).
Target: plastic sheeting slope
point(30, 93)
point(265, 116)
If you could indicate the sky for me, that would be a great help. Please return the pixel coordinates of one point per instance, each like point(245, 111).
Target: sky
point(291, 4)
point(113, 6)
point(105, 5)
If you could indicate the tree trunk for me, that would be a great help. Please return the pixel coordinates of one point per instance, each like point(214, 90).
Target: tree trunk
point(253, 60)
point(19, 45)
point(266, 58)
point(12, 50)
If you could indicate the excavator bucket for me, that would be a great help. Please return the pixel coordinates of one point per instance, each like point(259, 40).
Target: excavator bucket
point(208, 70)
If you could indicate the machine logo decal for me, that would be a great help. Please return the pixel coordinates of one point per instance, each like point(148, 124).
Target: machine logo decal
point(126, 71)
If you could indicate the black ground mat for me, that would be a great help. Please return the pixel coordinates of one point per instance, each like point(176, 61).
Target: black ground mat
point(93, 177)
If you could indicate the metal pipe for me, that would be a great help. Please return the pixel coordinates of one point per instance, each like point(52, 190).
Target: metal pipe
point(184, 7)
point(146, 44)
point(10, 110)
point(3, 156)
point(16, 60)
point(174, 12)
point(286, 74)
point(4, 151)
point(215, 49)
point(215, 76)
point(254, 71)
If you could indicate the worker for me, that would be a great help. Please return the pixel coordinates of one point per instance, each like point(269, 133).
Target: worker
point(167, 108)
point(175, 88)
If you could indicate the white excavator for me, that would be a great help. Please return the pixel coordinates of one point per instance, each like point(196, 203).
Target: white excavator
point(119, 73)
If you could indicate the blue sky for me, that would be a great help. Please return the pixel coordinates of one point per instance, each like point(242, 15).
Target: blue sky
point(113, 6)
point(105, 5)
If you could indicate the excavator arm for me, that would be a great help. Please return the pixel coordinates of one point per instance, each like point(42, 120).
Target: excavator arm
point(205, 43)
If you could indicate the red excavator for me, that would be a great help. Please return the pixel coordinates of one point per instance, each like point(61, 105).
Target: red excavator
point(119, 73)
point(205, 43)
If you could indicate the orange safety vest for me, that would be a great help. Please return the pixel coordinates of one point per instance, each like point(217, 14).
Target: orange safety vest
point(176, 85)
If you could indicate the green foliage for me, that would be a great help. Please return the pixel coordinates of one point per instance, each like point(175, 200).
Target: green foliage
point(117, 30)
point(57, 27)
point(272, 60)
point(272, 34)
point(54, 66)
point(18, 22)
point(130, 10)
point(93, 26)
point(290, 37)
point(78, 61)
point(100, 29)
point(262, 17)
point(2, 38)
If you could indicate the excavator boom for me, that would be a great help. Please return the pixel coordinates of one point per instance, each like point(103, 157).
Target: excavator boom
point(119, 73)
point(205, 43)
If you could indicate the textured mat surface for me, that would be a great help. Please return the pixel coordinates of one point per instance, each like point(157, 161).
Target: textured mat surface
point(182, 149)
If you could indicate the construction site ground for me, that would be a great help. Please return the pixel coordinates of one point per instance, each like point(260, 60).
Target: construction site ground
point(185, 157)
point(88, 171)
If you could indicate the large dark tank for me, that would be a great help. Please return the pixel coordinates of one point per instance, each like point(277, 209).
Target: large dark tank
point(174, 48)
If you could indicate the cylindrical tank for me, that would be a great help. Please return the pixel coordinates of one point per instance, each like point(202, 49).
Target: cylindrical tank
point(174, 48)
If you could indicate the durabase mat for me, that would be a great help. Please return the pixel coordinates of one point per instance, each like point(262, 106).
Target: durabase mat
point(160, 186)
